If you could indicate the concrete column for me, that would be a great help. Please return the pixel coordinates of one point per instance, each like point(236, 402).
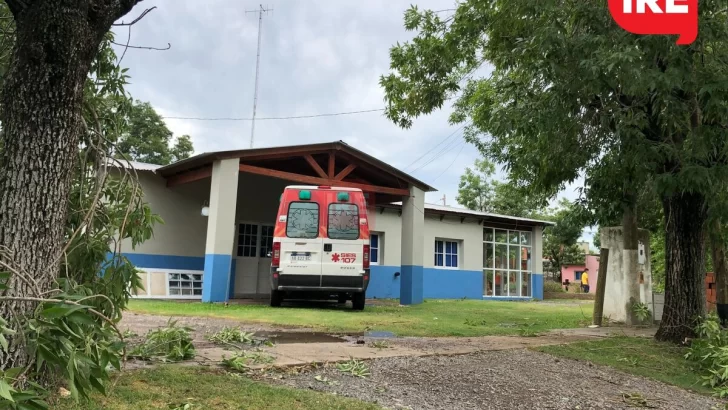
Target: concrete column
point(537, 263)
point(220, 230)
point(413, 230)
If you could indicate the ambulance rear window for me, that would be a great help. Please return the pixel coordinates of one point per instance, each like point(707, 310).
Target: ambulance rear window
point(302, 220)
point(343, 221)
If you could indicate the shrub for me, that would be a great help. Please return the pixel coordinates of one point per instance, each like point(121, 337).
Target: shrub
point(550, 286)
point(710, 352)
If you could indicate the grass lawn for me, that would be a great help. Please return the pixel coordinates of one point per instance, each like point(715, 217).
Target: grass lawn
point(170, 387)
point(639, 356)
point(432, 318)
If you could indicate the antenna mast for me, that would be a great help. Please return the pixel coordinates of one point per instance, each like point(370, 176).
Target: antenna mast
point(260, 12)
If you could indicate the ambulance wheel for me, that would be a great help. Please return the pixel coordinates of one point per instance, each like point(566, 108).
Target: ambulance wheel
point(357, 300)
point(276, 297)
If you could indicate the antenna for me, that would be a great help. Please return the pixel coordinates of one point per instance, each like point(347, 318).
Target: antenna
point(444, 200)
point(260, 12)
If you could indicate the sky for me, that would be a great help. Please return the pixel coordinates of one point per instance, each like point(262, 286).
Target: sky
point(316, 57)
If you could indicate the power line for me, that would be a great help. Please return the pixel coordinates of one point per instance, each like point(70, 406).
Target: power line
point(447, 148)
point(433, 148)
point(333, 114)
point(452, 163)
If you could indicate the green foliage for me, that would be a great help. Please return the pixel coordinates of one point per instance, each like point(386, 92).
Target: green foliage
point(478, 191)
point(168, 344)
point(241, 362)
point(550, 286)
point(559, 241)
point(710, 352)
point(354, 367)
point(232, 335)
point(475, 188)
point(146, 137)
point(380, 344)
point(642, 312)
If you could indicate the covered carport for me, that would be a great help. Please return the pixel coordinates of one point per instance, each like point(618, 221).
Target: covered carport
point(239, 224)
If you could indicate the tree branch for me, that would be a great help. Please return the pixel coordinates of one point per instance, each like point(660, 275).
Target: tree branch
point(16, 6)
point(136, 20)
point(142, 47)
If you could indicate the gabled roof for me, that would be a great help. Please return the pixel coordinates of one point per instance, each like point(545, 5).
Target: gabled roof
point(207, 158)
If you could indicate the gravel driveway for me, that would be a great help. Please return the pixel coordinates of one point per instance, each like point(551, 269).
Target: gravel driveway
point(519, 379)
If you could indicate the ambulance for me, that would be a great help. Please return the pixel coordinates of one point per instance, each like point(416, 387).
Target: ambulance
point(320, 246)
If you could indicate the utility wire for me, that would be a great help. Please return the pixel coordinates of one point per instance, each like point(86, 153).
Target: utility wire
point(463, 143)
point(333, 114)
point(447, 148)
point(433, 148)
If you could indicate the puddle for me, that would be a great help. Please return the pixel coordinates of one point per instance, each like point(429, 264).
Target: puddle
point(382, 334)
point(300, 337)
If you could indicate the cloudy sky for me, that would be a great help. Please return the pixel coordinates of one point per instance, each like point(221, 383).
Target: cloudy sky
point(317, 57)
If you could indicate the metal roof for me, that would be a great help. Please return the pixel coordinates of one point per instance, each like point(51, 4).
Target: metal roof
point(139, 166)
point(463, 211)
point(208, 157)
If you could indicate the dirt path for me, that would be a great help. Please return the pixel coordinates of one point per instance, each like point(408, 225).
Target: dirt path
point(492, 372)
point(515, 379)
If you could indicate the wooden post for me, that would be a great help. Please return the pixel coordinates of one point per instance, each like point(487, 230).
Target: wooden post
point(601, 285)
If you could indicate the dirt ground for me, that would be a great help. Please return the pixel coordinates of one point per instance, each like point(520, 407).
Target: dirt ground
point(447, 373)
point(515, 379)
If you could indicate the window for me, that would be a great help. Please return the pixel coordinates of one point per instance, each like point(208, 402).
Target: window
point(343, 221)
point(446, 254)
point(185, 284)
point(374, 248)
point(506, 262)
point(266, 241)
point(247, 240)
point(577, 276)
point(303, 220)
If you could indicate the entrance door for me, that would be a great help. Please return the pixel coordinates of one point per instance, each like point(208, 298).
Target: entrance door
point(252, 265)
point(264, 259)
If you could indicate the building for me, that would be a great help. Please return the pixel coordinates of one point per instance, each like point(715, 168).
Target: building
point(418, 250)
point(572, 273)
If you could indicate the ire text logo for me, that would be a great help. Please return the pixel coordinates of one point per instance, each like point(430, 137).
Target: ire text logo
point(658, 17)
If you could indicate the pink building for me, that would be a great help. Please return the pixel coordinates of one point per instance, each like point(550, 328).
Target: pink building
point(573, 273)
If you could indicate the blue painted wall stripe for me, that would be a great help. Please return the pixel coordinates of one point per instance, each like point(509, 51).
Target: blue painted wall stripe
point(537, 286)
point(412, 286)
point(144, 260)
point(216, 280)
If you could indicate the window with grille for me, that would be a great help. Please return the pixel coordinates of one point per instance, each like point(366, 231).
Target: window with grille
point(185, 284)
point(247, 240)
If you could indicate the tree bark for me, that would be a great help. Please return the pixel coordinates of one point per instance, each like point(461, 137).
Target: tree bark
point(41, 118)
point(601, 287)
point(685, 225)
point(720, 268)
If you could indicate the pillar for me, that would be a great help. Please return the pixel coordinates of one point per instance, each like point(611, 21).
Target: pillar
point(413, 224)
point(537, 263)
point(220, 230)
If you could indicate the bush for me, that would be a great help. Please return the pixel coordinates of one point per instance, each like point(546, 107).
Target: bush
point(710, 352)
point(550, 286)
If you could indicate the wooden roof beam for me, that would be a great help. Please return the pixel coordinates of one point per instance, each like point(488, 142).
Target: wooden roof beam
point(305, 179)
point(316, 167)
point(189, 176)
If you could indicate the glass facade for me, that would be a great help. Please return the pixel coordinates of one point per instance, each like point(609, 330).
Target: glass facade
point(506, 262)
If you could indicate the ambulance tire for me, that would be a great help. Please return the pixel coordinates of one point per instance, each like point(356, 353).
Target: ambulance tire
point(276, 297)
point(357, 300)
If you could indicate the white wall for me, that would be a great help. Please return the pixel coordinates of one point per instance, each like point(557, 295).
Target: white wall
point(184, 230)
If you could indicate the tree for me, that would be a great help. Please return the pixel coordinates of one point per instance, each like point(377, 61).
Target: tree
point(559, 241)
point(573, 94)
point(475, 189)
point(41, 114)
point(512, 200)
point(147, 138)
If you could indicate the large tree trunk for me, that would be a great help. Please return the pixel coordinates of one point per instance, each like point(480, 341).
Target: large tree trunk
point(41, 118)
point(720, 268)
point(685, 225)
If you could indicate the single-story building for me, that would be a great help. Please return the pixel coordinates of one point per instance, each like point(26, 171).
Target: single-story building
point(573, 273)
point(219, 210)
